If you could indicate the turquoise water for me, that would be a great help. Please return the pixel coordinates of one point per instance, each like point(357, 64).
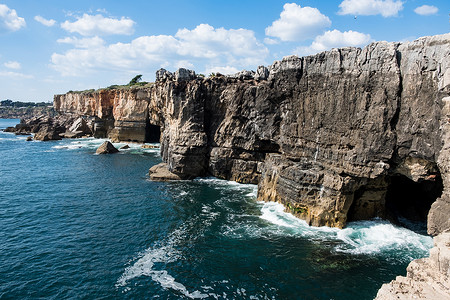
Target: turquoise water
point(78, 225)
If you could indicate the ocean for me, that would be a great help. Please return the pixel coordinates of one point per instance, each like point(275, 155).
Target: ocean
point(76, 225)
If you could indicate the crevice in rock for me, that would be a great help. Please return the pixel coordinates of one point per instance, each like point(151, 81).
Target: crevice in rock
point(396, 116)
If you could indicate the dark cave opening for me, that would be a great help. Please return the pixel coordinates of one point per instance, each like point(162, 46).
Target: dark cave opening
point(408, 202)
point(152, 133)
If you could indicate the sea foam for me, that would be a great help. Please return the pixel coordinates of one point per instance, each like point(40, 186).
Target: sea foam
point(361, 237)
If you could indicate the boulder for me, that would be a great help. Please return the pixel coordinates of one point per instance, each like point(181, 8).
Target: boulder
point(106, 148)
point(9, 129)
point(161, 172)
point(47, 133)
point(124, 147)
point(80, 125)
point(29, 139)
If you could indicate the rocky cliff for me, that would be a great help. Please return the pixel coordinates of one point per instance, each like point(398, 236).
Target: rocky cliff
point(343, 135)
point(335, 137)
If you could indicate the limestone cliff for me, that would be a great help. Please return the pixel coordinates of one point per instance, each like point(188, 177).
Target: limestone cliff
point(333, 136)
point(343, 135)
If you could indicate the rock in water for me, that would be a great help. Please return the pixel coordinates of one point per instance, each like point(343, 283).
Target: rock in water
point(29, 139)
point(106, 148)
point(9, 129)
point(124, 147)
point(47, 133)
point(161, 172)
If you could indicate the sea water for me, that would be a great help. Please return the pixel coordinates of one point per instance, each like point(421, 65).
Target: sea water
point(78, 225)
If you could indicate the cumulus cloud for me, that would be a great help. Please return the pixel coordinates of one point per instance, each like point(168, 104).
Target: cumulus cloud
point(93, 42)
point(426, 10)
point(335, 39)
point(44, 21)
point(203, 45)
point(386, 8)
point(97, 25)
point(9, 19)
point(298, 23)
point(12, 65)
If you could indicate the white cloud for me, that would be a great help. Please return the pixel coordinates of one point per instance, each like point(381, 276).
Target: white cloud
point(93, 42)
point(92, 25)
point(44, 21)
point(298, 23)
point(15, 75)
point(204, 45)
point(386, 8)
point(335, 39)
point(12, 65)
point(426, 10)
point(9, 19)
point(227, 70)
point(270, 41)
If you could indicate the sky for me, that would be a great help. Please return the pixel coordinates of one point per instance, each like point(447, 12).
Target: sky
point(51, 46)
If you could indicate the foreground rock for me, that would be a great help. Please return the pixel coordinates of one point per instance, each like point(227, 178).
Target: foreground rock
point(427, 278)
point(106, 148)
point(161, 172)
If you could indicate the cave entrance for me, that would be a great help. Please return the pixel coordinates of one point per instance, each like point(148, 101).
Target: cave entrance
point(408, 202)
point(152, 133)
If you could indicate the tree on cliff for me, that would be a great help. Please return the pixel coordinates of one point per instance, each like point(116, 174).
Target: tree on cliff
point(135, 80)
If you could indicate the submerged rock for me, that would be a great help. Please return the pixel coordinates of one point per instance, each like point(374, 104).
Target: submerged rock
point(106, 148)
point(161, 172)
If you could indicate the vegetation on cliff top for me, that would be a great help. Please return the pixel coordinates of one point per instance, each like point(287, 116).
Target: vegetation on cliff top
point(136, 81)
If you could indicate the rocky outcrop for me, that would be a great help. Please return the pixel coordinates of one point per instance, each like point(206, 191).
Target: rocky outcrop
point(346, 134)
point(332, 136)
point(119, 114)
point(427, 278)
point(106, 148)
point(160, 172)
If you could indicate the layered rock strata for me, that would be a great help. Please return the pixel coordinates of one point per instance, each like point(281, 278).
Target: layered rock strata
point(332, 136)
point(342, 135)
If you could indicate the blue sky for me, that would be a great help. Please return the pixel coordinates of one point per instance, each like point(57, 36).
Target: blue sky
point(51, 46)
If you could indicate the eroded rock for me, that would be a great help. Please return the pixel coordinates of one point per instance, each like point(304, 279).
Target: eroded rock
point(160, 172)
point(106, 148)
point(426, 278)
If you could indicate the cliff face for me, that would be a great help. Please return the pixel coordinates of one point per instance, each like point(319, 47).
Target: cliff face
point(335, 137)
